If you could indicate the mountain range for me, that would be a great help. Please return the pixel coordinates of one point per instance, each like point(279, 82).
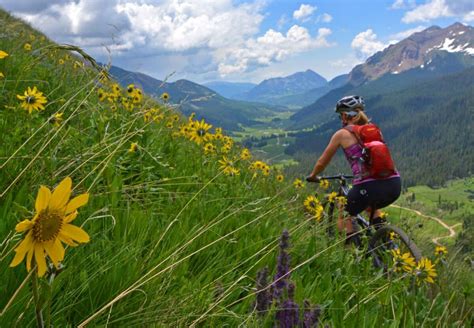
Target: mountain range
point(420, 92)
point(189, 97)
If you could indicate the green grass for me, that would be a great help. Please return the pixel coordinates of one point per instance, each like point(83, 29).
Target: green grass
point(174, 241)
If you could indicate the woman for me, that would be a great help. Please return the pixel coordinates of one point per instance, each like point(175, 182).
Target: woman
point(366, 190)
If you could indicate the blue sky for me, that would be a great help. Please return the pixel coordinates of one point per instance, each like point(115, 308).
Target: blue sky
point(235, 40)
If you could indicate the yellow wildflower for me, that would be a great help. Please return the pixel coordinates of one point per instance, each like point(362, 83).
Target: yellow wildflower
point(228, 166)
point(200, 132)
point(57, 119)
point(3, 54)
point(440, 251)
point(165, 96)
point(61, 61)
point(324, 184)
point(332, 196)
point(311, 203)
point(32, 100)
point(404, 261)
point(209, 148)
point(425, 271)
point(133, 147)
point(298, 183)
point(27, 47)
point(341, 200)
point(245, 154)
point(50, 227)
point(280, 177)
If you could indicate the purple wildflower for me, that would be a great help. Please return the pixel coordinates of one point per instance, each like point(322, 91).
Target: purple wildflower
point(310, 315)
point(283, 266)
point(264, 298)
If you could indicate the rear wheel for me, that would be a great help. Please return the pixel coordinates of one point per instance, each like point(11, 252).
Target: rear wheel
point(388, 241)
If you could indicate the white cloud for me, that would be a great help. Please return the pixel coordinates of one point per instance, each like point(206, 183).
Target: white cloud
point(401, 4)
point(272, 47)
point(406, 33)
point(433, 9)
point(366, 44)
point(198, 36)
point(325, 18)
point(304, 12)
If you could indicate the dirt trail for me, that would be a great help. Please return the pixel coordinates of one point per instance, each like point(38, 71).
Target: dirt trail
point(435, 240)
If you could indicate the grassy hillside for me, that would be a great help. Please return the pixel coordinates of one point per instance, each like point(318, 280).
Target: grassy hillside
point(178, 220)
point(189, 97)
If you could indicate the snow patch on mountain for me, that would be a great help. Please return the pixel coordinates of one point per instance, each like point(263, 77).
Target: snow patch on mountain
point(448, 46)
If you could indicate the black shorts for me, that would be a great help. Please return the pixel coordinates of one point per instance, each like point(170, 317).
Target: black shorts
point(379, 192)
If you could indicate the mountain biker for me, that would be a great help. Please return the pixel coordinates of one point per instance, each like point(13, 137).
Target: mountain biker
point(366, 190)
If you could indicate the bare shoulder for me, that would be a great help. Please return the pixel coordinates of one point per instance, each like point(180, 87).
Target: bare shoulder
point(341, 133)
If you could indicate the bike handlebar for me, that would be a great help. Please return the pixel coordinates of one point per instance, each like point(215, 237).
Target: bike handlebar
point(334, 177)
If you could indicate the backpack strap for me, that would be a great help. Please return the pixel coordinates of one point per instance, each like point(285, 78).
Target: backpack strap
point(351, 129)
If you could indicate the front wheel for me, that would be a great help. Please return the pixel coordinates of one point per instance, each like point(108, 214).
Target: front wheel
point(389, 240)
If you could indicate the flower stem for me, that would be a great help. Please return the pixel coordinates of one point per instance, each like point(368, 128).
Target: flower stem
point(39, 315)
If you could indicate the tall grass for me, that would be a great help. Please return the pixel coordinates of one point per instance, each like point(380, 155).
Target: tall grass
point(174, 241)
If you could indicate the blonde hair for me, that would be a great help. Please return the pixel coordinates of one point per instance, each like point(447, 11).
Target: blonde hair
point(360, 118)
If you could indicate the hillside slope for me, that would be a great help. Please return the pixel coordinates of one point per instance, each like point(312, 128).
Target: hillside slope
point(191, 97)
point(429, 123)
point(173, 231)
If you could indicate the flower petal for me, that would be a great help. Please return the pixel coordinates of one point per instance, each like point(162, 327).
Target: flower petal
point(24, 225)
point(42, 200)
point(77, 202)
point(61, 195)
point(29, 257)
point(55, 254)
point(67, 240)
point(40, 260)
point(70, 217)
point(22, 249)
point(75, 233)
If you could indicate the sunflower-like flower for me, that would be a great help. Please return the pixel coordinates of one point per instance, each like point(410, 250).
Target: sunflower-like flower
point(77, 64)
point(280, 177)
point(101, 94)
point(341, 200)
point(402, 262)
point(228, 166)
point(200, 132)
point(169, 124)
point(165, 96)
point(209, 148)
point(425, 271)
point(311, 203)
point(392, 235)
point(226, 148)
point(440, 251)
point(27, 47)
point(332, 197)
point(32, 99)
point(383, 215)
point(3, 54)
point(324, 184)
point(298, 183)
point(57, 119)
point(133, 147)
point(245, 154)
point(61, 61)
point(50, 227)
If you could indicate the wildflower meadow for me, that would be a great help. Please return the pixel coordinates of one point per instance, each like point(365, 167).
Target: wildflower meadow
point(117, 210)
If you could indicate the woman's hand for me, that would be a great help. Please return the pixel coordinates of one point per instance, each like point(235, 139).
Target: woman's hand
point(312, 178)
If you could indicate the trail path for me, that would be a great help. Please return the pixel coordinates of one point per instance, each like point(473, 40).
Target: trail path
point(435, 240)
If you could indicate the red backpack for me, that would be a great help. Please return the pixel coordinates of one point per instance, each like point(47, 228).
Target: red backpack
point(378, 163)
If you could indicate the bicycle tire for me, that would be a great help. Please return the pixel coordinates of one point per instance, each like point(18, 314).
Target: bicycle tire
point(381, 242)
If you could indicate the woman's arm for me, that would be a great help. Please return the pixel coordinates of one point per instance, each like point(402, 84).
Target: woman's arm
point(327, 155)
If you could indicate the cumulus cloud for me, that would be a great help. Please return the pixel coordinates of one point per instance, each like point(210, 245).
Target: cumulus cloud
point(273, 46)
point(366, 44)
point(304, 12)
point(325, 18)
point(434, 9)
point(402, 4)
point(219, 36)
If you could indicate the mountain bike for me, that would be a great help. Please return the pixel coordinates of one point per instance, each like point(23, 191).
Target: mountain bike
point(382, 237)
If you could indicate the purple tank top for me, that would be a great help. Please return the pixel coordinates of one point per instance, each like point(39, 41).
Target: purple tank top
point(353, 154)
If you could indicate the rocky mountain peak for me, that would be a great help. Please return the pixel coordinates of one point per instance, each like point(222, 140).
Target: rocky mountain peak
point(415, 51)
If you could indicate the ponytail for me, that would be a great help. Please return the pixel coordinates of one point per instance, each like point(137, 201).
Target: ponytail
point(360, 118)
